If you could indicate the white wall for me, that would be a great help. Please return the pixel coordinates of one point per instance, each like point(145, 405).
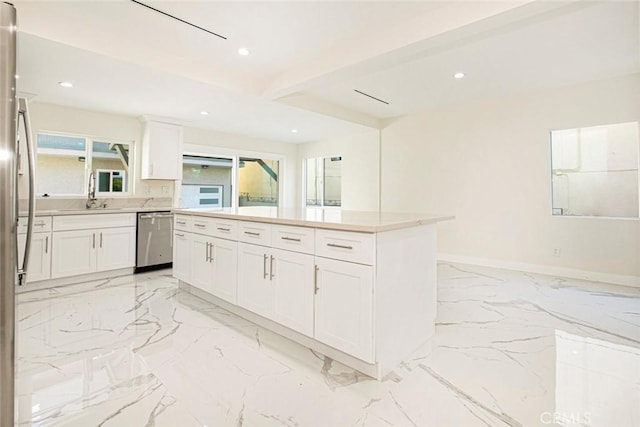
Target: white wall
point(208, 142)
point(360, 166)
point(489, 165)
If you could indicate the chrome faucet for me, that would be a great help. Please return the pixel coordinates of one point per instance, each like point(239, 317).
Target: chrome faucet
point(91, 192)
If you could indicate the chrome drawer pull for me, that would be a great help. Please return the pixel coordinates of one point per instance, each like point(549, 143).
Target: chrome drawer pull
point(251, 233)
point(333, 245)
point(199, 225)
point(271, 274)
point(181, 223)
point(179, 235)
point(224, 229)
point(264, 267)
point(40, 224)
point(290, 239)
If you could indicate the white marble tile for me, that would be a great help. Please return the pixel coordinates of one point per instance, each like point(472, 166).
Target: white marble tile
point(511, 349)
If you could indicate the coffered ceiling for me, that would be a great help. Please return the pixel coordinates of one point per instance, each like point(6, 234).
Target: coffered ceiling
point(307, 58)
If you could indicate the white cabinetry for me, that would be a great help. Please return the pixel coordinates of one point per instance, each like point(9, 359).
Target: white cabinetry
point(39, 267)
point(206, 262)
point(182, 255)
point(161, 151)
point(293, 283)
point(182, 247)
point(344, 307)
point(85, 244)
point(275, 283)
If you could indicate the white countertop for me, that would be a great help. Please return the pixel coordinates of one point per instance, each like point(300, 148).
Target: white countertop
point(71, 211)
point(328, 218)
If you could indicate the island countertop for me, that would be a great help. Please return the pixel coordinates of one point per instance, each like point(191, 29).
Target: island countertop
point(331, 218)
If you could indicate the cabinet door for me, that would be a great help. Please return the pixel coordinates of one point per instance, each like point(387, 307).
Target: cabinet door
point(255, 291)
point(293, 276)
point(73, 253)
point(39, 267)
point(201, 262)
point(115, 248)
point(182, 256)
point(162, 151)
point(225, 271)
point(344, 307)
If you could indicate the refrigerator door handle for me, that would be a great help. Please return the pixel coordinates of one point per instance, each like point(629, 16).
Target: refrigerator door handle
point(23, 111)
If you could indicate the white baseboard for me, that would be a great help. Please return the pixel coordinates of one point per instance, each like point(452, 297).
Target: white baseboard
point(618, 279)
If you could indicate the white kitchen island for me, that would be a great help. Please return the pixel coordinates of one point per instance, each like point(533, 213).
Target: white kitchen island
point(359, 287)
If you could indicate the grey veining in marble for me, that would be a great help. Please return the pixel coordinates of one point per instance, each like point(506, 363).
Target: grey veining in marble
point(511, 349)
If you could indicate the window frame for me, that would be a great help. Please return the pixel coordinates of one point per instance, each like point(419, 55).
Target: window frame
point(552, 208)
point(88, 164)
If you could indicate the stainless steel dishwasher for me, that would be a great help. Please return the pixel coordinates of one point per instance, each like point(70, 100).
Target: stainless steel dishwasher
point(155, 241)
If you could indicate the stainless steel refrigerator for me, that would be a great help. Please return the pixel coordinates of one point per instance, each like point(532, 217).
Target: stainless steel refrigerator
point(13, 112)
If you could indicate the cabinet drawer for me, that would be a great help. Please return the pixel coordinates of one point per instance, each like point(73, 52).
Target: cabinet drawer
point(225, 228)
point(40, 223)
point(92, 221)
point(291, 238)
point(182, 222)
point(257, 233)
point(201, 225)
point(346, 246)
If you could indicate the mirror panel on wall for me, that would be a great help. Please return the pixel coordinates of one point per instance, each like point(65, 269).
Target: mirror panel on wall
point(323, 182)
point(595, 171)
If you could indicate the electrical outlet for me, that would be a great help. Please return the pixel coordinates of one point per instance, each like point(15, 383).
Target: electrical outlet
point(557, 252)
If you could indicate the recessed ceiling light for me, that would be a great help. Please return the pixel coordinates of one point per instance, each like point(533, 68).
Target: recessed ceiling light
point(243, 51)
point(458, 75)
point(204, 113)
point(65, 84)
point(294, 130)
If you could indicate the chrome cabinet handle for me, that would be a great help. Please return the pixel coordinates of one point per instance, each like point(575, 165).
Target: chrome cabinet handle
point(179, 234)
point(206, 252)
point(333, 245)
point(210, 252)
point(264, 266)
point(181, 222)
point(315, 280)
point(94, 240)
point(290, 239)
point(101, 239)
point(40, 224)
point(251, 233)
point(46, 245)
point(224, 229)
point(199, 225)
point(271, 273)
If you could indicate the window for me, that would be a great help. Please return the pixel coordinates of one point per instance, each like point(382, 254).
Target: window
point(64, 163)
point(595, 171)
point(206, 181)
point(323, 182)
point(257, 182)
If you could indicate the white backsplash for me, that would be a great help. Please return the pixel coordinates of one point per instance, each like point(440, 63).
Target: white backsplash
point(52, 203)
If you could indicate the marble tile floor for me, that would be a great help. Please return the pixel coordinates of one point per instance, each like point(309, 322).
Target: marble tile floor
point(511, 349)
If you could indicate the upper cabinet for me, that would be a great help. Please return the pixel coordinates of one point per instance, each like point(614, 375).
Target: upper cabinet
point(161, 151)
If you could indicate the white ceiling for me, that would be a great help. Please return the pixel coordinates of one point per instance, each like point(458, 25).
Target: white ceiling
point(308, 57)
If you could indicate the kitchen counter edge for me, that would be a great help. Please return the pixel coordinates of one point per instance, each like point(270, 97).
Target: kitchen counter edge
point(393, 224)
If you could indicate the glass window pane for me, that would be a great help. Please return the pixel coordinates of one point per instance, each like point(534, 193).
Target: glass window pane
point(205, 171)
point(60, 165)
point(595, 171)
point(324, 181)
point(258, 182)
point(112, 160)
